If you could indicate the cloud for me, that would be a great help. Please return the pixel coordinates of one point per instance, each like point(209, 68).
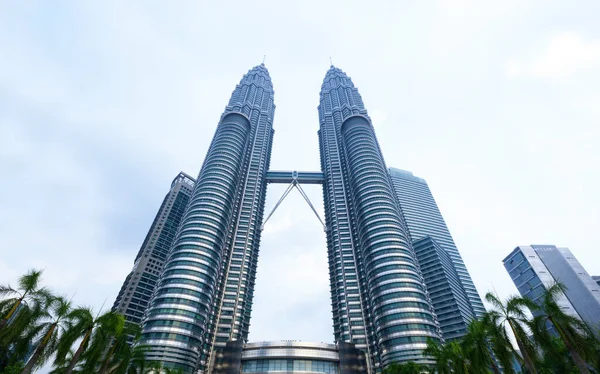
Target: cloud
point(101, 105)
point(565, 56)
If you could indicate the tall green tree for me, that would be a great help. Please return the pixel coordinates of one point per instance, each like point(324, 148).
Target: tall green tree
point(29, 290)
point(101, 343)
point(82, 327)
point(156, 367)
point(476, 346)
point(398, 368)
point(130, 359)
point(500, 343)
point(577, 337)
point(137, 362)
point(511, 315)
point(449, 358)
point(49, 331)
point(110, 349)
point(442, 360)
point(555, 358)
point(17, 337)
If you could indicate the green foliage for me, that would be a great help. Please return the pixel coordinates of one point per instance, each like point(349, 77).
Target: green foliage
point(13, 369)
point(37, 326)
point(486, 347)
point(406, 368)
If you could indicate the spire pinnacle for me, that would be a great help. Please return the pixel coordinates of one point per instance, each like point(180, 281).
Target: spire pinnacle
point(330, 61)
point(264, 58)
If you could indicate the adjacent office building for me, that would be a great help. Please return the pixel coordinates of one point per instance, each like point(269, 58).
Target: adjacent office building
point(423, 218)
point(447, 294)
point(132, 301)
point(533, 268)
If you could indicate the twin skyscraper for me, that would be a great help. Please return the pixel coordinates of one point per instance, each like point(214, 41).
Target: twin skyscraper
point(193, 280)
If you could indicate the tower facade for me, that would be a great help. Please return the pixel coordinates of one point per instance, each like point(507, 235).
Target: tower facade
point(423, 218)
point(378, 298)
point(132, 301)
point(204, 297)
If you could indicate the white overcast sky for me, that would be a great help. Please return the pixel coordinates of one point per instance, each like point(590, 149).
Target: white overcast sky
point(495, 103)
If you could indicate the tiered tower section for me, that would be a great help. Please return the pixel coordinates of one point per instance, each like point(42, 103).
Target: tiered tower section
point(204, 297)
point(378, 296)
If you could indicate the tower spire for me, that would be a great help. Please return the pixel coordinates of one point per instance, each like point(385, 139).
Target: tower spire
point(264, 58)
point(330, 61)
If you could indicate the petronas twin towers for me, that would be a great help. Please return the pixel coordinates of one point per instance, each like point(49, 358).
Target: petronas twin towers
point(203, 298)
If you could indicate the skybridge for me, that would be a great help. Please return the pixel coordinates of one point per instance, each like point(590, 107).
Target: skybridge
point(294, 179)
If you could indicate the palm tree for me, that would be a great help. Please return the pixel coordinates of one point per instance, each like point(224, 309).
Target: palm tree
point(511, 314)
point(137, 362)
point(556, 357)
point(61, 367)
point(101, 343)
point(500, 344)
point(156, 367)
point(16, 338)
point(477, 350)
point(439, 355)
point(411, 368)
point(575, 334)
point(110, 348)
point(28, 290)
point(13, 369)
point(82, 328)
point(49, 332)
point(449, 358)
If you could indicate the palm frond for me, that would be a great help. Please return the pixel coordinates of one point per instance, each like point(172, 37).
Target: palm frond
point(493, 299)
point(30, 281)
point(7, 290)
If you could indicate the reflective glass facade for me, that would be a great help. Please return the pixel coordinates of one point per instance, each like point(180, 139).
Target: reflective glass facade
point(423, 218)
point(204, 297)
point(533, 268)
point(448, 297)
point(378, 298)
point(139, 285)
point(289, 356)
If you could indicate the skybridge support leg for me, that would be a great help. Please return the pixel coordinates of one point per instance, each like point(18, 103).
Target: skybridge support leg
point(311, 206)
point(287, 191)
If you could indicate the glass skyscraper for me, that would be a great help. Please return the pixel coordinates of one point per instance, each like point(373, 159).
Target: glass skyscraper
point(378, 297)
point(139, 285)
point(202, 303)
point(534, 268)
point(204, 297)
point(423, 218)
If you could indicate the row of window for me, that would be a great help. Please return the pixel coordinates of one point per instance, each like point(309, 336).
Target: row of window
point(255, 366)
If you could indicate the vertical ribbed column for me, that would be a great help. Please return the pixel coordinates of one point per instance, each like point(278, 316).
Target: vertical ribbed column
point(402, 315)
point(176, 320)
